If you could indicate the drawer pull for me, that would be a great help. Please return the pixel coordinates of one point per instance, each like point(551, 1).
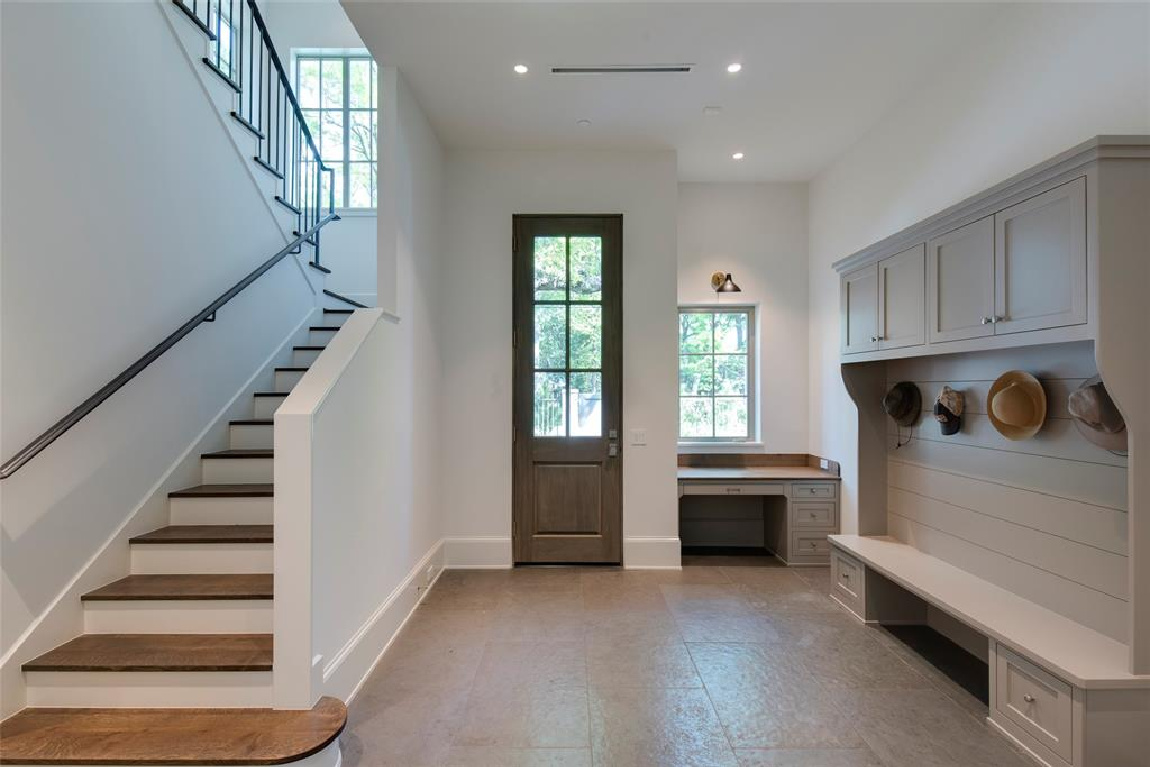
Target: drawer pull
point(846, 577)
point(1028, 698)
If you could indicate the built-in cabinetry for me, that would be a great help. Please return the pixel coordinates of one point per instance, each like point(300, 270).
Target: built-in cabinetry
point(1019, 269)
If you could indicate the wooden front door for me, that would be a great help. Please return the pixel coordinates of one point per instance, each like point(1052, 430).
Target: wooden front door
point(567, 417)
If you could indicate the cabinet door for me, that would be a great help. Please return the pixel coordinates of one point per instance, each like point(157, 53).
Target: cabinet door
point(1040, 261)
point(902, 299)
point(859, 311)
point(960, 283)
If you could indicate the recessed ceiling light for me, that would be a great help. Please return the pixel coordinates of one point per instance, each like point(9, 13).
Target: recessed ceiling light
point(737, 156)
point(583, 123)
point(734, 68)
point(520, 69)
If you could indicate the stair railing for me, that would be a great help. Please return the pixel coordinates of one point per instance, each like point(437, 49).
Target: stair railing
point(242, 53)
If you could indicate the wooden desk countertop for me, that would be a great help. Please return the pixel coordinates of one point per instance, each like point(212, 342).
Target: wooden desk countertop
point(777, 473)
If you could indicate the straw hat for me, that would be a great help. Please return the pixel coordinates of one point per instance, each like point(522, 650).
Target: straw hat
point(1016, 405)
point(1097, 417)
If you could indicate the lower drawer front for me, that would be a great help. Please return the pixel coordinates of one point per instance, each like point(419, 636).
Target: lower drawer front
point(819, 515)
point(1034, 699)
point(847, 580)
point(810, 545)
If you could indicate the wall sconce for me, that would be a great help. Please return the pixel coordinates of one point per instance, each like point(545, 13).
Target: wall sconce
point(721, 282)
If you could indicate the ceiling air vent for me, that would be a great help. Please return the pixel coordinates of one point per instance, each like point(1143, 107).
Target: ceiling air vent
point(623, 69)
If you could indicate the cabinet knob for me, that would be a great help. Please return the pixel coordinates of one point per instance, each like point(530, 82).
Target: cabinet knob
point(987, 320)
point(1028, 698)
point(996, 319)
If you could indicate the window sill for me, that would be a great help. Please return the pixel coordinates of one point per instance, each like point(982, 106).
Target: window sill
point(720, 447)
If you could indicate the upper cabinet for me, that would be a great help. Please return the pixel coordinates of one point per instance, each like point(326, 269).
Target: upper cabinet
point(960, 282)
point(1018, 268)
point(1040, 261)
point(901, 301)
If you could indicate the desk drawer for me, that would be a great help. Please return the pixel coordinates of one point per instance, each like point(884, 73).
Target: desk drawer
point(814, 515)
point(732, 488)
point(800, 490)
point(807, 546)
point(1035, 700)
point(848, 581)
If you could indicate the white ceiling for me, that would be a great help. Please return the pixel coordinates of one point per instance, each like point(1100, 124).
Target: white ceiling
point(815, 76)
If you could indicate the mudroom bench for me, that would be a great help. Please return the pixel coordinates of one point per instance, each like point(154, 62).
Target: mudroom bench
point(1058, 687)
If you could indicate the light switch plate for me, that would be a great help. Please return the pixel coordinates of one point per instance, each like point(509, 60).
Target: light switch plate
point(638, 436)
point(824, 464)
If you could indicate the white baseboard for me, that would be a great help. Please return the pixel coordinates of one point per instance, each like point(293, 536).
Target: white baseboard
point(345, 673)
point(478, 553)
point(652, 553)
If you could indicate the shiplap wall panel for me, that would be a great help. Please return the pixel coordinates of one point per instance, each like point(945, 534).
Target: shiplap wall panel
point(1098, 526)
point(1105, 614)
point(1044, 517)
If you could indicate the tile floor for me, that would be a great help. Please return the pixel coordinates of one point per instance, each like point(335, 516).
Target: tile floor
point(705, 667)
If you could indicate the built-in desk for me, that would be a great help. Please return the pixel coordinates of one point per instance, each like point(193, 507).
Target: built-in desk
point(797, 535)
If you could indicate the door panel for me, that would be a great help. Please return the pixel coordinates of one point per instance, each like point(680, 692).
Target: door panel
point(1040, 261)
point(568, 311)
point(960, 283)
point(902, 299)
point(859, 299)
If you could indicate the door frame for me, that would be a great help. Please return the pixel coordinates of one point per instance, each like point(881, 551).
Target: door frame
point(521, 434)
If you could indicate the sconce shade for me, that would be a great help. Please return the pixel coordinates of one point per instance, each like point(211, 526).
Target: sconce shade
point(728, 286)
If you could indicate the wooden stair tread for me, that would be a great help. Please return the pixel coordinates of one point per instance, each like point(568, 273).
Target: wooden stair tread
point(185, 586)
point(252, 736)
point(292, 369)
point(271, 394)
point(159, 652)
point(254, 490)
point(338, 311)
point(253, 422)
point(208, 534)
point(324, 328)
point(240, 453)
point(309, 348)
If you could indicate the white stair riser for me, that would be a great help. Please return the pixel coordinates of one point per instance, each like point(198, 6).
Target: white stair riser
point(320, 337)
point(149, 689)
point(251, 437)
point(179, 616)
point(304, 357)
point(221, 511)
point(335, 303)
point(158, 558)
point(265, 407)
point(287, 379)
point(332, 319)
point(236, 471)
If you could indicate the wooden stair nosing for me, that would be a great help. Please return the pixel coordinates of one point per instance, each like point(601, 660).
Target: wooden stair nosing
point(171, 534)
point(324, 328)
point(185, 736)
point(309, 348)
point(271, 394)
point(291, 369)
point(183, 586)
point(338, 311)
point(254, 490)
point(157, 653)
point(241, 453)
point(252, 422)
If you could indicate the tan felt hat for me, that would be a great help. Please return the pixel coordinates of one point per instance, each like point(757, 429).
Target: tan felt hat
point(1097, 417)
point(1016, 405)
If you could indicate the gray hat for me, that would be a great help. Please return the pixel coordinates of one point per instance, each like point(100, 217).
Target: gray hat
point(903, 403)
point(1097, 417)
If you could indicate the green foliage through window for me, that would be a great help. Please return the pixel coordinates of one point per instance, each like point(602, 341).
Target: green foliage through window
point(716, 373)
point(338, 95)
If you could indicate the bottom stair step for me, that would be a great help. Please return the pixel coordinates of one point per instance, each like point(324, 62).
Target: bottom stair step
point(183, 736)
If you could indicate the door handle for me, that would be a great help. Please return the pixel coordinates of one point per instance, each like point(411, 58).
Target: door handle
point(612, 449)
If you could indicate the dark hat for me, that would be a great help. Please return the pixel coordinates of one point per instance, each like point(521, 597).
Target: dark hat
point(1097, 417)
point(948, 410)
point(903, 403)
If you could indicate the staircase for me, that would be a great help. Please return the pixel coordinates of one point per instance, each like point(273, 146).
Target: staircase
point(189, 627)
point(174, 665)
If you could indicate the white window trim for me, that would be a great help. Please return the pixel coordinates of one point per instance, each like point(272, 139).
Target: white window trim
point(752, 441)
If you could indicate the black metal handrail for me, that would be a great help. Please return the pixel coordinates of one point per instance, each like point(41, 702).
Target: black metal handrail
point(207, 314)
point(242, 53)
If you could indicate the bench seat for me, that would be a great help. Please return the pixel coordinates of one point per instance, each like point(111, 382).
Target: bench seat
point(1080, 655)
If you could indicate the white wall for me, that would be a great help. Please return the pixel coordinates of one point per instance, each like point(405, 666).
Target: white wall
point(758, 232)
point(1039, 80)
point(348, 247)
point(484, 190)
